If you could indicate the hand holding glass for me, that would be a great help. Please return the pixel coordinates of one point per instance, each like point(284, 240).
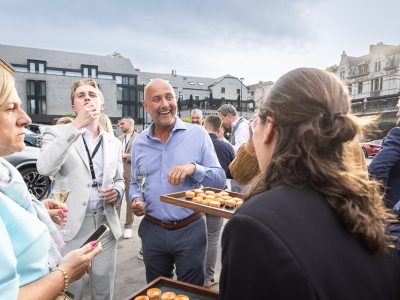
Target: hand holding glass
point(60, 191)
point(104, 186)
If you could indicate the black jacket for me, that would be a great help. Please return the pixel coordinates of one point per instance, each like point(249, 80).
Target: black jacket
point(225, 153)
point(289, 244)
point(386, 166)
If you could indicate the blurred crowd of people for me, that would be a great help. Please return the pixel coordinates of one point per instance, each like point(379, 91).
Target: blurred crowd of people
point(314, 223)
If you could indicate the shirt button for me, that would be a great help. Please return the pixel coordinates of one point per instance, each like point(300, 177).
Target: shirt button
point(89, 185)
point(84, 202)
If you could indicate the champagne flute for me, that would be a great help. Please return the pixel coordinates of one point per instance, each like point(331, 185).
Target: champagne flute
point(140, 178)
point(60, 191)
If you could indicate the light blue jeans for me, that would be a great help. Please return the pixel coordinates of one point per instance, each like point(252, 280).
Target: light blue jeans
point(214, 225)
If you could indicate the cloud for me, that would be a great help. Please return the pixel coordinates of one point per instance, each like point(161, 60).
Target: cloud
point(255, 39)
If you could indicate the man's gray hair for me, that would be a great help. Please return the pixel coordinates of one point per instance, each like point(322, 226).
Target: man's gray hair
point(227, 109)
point(197, 111)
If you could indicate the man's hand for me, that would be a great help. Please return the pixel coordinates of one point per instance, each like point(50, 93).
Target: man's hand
point(125, 155)
point(138, 206)
point(57, 211)
point(86, 115)
point(109, 195)
point(178, 174)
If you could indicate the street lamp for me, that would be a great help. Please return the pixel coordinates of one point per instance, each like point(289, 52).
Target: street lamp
point(241, 95)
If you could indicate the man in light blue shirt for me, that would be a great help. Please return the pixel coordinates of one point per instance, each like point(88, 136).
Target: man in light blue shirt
point(176, 156)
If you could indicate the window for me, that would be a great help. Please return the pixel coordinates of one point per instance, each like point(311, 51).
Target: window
point(89, 71)
point(125, 80)
point(105, 76)
point(377, 66)
point(342, 74)
point(21, 69)
point(70, 73)
point(376, 84)
point(36, 97)
point(127, 97)
point(238, 91)
point(362, 69)
point(360, 87)
point(37, 66)
point(350, 87)
point(222, 90)
point(54, 72)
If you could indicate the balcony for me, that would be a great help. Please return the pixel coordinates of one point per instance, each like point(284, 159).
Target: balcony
point(375, 93)
point(375, 106)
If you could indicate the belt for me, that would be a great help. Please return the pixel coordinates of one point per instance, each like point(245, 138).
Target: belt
point(172, 225)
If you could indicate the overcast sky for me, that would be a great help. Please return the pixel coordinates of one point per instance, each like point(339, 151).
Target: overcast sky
point(254, 39)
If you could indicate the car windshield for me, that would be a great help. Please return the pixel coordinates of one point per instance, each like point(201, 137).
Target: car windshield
point(27, 131)
point(376, 142)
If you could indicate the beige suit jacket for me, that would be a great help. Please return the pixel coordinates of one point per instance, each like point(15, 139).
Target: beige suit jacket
point(63, 152)
point(128, 150)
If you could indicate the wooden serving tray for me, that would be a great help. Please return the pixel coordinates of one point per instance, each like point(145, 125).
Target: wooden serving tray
point(180, 200)
point(194, 292)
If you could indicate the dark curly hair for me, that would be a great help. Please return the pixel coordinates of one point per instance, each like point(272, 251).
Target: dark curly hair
point(310, 110)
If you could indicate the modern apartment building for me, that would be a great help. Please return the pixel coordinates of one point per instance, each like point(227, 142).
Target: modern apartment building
point(44, 77)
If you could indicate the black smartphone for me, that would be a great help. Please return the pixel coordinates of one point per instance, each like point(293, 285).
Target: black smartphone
point(100, 233)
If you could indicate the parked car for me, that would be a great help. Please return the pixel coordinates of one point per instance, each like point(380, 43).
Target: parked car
point(25, 162)
point(32, 139)
point(37, 128)
point(371, 148)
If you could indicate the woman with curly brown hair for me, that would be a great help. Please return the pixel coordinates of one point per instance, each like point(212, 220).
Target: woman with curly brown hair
point(313, 225)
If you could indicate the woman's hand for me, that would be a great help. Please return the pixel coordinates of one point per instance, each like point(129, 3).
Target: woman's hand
point(77, 262)
point(57, 211)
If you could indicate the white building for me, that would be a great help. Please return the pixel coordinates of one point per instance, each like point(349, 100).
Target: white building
point(373, 81)
point(372, 75)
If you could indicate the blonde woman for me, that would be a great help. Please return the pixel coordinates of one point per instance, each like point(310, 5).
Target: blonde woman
point(28, 238)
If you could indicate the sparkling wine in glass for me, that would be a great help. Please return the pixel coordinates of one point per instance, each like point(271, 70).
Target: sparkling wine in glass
point(60, 190)
point(140, 178)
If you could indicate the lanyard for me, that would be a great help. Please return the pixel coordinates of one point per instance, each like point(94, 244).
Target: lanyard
point(126, 143)
point(233, 138)
point(91, 156)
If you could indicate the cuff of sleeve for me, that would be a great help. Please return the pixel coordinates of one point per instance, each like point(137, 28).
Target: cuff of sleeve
point(133, 196)
point(199, 173)
point(118, 194)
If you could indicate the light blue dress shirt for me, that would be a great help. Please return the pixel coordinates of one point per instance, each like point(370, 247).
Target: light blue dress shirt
point(187, 143)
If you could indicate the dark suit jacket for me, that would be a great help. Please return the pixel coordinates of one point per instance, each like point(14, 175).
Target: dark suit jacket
point(386, 166)
point(288, 243)
point(225, 153)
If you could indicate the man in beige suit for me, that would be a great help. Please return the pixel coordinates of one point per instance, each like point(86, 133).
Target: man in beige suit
point(91, 159)
point(127, 125)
